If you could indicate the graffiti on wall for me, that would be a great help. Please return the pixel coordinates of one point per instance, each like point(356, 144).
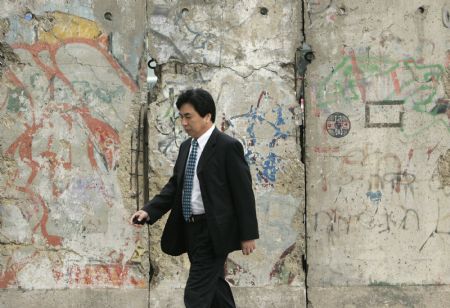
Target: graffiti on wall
point(408, 82)
point(337, 223)
point(265, 127)
point(398, 122)
point(68, 99)
point(389, 201)
point(384, 90)
point(338, 125)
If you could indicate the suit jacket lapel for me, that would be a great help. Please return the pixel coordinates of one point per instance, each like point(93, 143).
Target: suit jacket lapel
point(208, 151)
point(183, 157)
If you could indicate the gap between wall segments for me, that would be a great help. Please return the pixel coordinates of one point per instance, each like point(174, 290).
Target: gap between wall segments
point(302, 145)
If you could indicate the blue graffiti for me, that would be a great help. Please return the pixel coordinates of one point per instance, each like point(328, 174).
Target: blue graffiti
point(375, 197)
point(270, 168)
point(269, 163)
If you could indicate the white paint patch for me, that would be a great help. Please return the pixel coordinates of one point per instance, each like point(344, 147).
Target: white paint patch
point(37, 275)
point(14, 227)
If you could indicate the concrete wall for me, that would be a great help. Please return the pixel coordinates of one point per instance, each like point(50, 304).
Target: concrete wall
point(378, 181)
point(72, 83)
point(243, 53)
point(69, 86)
point(378, 153)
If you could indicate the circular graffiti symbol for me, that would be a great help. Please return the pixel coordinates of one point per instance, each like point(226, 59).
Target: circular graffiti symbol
point(338, 125)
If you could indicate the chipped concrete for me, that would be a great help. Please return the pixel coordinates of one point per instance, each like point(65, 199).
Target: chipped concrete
point(7, 57)
point(444, 168)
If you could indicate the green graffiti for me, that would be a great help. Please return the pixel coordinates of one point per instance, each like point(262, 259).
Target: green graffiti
point(417, 82)
point(16, 100)
point(103, 95)
point(93, 93)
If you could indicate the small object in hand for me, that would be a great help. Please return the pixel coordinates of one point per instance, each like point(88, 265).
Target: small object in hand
point(138, 222)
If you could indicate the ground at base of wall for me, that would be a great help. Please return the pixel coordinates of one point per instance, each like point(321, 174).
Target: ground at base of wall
point(380, 296)
point(280, 297)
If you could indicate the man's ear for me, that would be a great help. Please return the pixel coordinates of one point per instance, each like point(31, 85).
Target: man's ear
point(207, 117)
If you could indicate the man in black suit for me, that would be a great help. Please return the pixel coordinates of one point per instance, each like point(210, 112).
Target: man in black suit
point(211, 203)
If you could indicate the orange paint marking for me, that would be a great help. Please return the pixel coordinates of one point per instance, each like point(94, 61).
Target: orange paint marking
point(7, 277)
point(52, 240)
point(396, 82)
point(104, 135)
point(358, 76)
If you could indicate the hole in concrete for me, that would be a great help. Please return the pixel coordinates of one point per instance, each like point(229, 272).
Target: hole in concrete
point(342, 10)
point(28, 16)
point(151, 63)
point(421, 10)
point(108, 16)
point(446, 16)
point(184, 11)
point(263, 11)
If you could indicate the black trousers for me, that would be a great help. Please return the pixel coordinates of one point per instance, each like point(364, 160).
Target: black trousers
point(206, 286)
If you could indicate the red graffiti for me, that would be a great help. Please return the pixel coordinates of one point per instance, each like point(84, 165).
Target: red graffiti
point(114, 274)
point(430, 150)
point(358, 75)
point(396, 82)
point(326, 149)
point(41, 158)
point(280, 265)
point(410, 154)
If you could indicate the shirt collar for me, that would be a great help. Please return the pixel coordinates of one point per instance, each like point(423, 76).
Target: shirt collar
point(203, 139)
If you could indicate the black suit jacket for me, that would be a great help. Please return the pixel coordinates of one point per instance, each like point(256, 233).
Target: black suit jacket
point(226, 188)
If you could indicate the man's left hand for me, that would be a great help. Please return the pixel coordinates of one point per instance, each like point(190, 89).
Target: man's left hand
point(248, 247)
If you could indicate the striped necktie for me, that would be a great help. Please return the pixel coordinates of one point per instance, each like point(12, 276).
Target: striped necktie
point(189, 181)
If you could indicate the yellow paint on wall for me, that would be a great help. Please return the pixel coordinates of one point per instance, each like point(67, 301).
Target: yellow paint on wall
point(68, 26)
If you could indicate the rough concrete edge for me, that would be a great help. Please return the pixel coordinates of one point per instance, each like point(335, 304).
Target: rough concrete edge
point(263, 297)
point(380, 296)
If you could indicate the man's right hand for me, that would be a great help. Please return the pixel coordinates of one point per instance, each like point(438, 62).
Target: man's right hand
point(140, 217)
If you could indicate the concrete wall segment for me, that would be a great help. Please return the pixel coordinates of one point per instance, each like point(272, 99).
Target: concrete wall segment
point(265, 126)
point(376, 207)
point(65, 113)
point(69, 98)
point(229, 48)
point(211, 32)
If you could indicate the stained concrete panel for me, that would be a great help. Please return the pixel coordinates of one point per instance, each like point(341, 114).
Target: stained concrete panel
point(243, 56)
point(70, 95)
point(378, 134)
point(66, 113)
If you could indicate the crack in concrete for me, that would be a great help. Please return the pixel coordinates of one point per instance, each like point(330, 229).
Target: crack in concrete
point(305, 223)
point(233, 69)
point(101, 82)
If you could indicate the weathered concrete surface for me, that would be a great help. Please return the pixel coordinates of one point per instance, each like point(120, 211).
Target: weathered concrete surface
point(68, 92)
point(283, 297)
point(75, 298)
point(72, 79)
point(261, 297)
point(380, 296)
point(245, 59)
point(378, 193)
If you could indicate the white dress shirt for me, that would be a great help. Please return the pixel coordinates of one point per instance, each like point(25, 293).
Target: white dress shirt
point(196, 198)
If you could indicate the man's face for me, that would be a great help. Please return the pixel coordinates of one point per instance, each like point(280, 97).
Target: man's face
point(192, 122)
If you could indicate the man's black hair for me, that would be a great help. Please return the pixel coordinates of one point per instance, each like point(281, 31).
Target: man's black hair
point(200, 99)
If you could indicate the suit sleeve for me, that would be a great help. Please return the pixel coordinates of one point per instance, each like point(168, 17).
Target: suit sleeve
point(240, 183)
point(162, 203)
